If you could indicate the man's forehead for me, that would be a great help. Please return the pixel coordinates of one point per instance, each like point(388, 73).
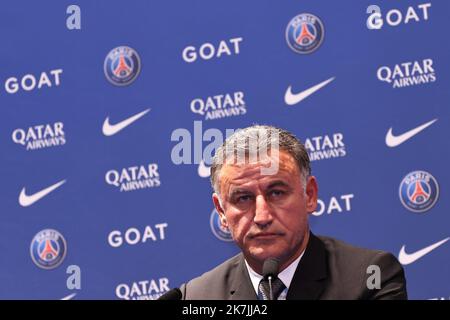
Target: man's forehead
point(239, 174)
point(282, 158)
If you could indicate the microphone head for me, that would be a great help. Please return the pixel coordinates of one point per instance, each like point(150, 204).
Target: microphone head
point(173, 294)
point(270, 267)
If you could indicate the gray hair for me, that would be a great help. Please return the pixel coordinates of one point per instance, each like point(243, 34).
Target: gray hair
point(250, 141)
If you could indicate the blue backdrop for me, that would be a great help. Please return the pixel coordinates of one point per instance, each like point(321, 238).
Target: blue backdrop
point(100, 101)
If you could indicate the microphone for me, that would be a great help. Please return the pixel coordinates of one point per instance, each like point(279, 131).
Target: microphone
point(270, 271)
point(173, 294)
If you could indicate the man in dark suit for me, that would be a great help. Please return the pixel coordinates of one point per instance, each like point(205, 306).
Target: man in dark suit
point(263, 193)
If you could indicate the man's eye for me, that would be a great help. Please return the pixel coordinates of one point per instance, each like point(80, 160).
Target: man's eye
point(244, 198)
point(276, 193)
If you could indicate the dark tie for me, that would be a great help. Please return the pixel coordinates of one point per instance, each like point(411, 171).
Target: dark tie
point(264, 291)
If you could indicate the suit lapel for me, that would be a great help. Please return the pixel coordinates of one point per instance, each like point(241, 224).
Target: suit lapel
point(307, 284)
point(310, 277)
point(241, 287)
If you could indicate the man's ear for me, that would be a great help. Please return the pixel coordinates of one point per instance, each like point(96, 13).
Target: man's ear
point(220, 210)
point(312, 191)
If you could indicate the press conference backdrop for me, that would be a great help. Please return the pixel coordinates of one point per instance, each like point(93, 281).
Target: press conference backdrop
point(110, 111)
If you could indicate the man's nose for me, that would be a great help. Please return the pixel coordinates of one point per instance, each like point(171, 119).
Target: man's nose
point(263, 214)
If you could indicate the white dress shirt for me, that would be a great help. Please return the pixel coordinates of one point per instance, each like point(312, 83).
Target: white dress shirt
point(285, 276)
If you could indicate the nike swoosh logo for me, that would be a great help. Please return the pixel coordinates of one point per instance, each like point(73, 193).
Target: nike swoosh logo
point(27, 200)
point(394, 141)
point(203, 170)
point(407, 258)
point(69, 297)
point(112, 129)
point(291, 98)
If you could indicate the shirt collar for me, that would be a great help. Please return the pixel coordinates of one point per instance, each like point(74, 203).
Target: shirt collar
point(285, 276)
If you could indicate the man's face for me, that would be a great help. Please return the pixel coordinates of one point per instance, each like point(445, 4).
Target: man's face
point(266, 214)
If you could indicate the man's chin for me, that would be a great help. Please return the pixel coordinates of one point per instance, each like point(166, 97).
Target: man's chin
point(262, 253)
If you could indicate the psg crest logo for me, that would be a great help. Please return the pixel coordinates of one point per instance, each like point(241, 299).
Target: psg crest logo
point(48, 249)
point(304, 33)
point(419, 191)
point(217, 229)
point(122, 66)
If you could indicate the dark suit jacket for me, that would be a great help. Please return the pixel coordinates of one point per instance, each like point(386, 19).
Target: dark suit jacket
point(329, 269)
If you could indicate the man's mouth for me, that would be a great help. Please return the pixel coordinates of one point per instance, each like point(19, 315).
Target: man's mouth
point(265, 235)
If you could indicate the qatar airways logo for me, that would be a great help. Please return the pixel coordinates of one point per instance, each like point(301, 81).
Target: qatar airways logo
point(408, 74)
point(143, 290)
point(40, 136)
point(325, 147)
point(134, 178)
point(220, 106)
